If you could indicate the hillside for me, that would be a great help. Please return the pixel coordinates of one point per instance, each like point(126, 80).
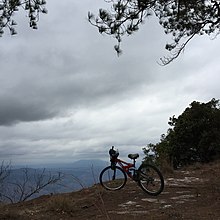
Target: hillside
point(192, 193)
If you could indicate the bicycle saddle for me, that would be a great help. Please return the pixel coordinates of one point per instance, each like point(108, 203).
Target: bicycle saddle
point(133, 156)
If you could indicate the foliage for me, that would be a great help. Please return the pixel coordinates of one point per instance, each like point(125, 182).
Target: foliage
point(150, 154)
point(182, 19)
point(194, 136)
point(8, 9)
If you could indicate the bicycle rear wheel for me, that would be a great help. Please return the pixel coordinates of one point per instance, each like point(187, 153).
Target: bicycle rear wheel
point(150, 179)
point(113, 178)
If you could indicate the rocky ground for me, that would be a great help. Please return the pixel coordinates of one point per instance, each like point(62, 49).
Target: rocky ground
point(192, 193)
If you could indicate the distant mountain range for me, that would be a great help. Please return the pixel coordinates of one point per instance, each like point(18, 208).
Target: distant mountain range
point(76, 164)
point(90, 163)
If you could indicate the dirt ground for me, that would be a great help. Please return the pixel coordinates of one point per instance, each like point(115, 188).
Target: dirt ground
point(192, 193)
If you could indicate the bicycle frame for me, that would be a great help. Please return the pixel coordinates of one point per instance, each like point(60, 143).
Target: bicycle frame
point(125, 166)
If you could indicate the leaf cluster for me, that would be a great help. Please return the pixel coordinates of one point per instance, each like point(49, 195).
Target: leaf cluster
point(8, 9)
point(180, 18)
point(123, 18)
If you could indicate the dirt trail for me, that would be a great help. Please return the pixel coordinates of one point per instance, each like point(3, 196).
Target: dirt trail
point(191, 194)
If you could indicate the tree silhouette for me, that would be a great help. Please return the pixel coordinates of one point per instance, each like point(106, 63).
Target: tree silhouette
point(194, 136)
point(8, 9)
point(183, 19)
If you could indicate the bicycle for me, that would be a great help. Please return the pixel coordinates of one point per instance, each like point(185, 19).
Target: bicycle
point(114, 177)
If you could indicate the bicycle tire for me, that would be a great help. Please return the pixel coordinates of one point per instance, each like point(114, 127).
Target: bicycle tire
point(150, 179)
point(113, 178)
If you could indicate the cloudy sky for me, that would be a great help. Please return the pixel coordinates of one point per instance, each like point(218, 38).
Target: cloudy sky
point(66, 96)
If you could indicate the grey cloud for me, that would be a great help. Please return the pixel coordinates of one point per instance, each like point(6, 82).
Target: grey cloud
point(13, 111)
point(51, 75)
point(53, 84)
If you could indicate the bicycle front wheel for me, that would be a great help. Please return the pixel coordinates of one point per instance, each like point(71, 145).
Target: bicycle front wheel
point(113, 178)
point(150, 179)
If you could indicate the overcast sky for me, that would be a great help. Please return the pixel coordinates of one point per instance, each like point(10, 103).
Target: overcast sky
point(66, 96)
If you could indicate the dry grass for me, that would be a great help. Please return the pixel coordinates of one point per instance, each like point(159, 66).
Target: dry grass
point(61, 204)
point(9, 215)
point(165, 167)
point(75, 202)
